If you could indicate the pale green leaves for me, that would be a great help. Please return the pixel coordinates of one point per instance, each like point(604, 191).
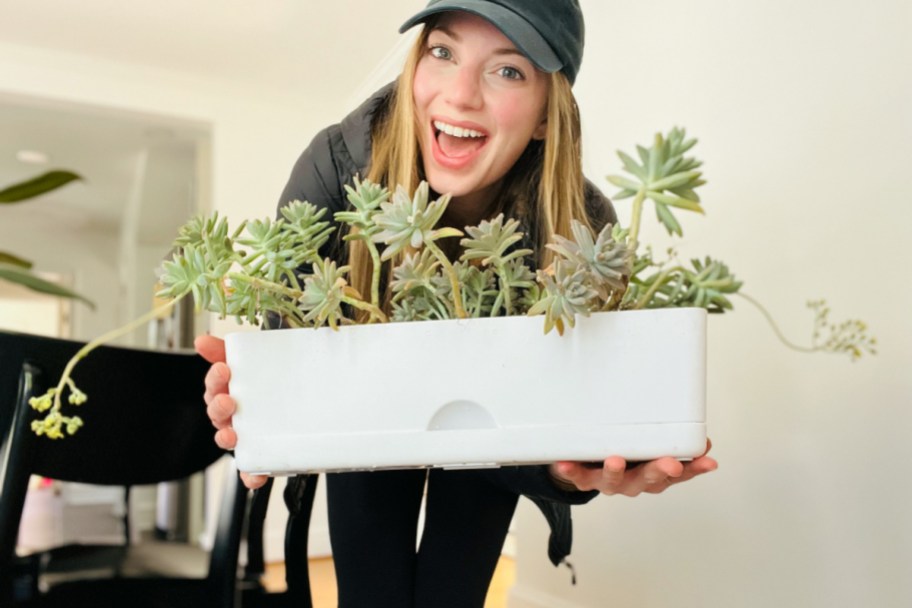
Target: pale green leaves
point(707, 284)
point(324, 293)
point(365, 198)
point(567, 292)
point(607, 259)
point(663, 175)
point(589, 275)
point(491, 240)
point(409, 221)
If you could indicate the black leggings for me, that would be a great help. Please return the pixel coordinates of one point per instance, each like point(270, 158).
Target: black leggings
point(373, 521)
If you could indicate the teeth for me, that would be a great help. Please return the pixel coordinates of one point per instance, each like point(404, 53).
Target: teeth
point(456, 131)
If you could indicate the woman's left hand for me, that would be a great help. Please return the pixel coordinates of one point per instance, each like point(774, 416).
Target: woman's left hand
point(614, 477)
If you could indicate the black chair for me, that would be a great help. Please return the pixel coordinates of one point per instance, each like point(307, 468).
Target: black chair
point(145, 422)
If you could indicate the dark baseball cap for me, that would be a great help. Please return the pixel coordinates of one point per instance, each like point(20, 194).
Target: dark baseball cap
point(549, 32)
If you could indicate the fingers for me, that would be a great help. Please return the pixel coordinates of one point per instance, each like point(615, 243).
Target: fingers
point(608, 478)
point(216, 382)
point(220, 410)
point(613, 470)
point(253, 481)
point(226, 438)
point(614, 477)
point(210, 348)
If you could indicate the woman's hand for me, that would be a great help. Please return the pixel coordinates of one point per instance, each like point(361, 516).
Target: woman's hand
point(220, 407)
point(613, 477)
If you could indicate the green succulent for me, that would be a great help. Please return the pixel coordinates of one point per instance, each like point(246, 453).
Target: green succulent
point(607, 258)
point(663, 175)
point(409, 221)
point(365, 198)
point(491, 240)
point(565, 293)
point(324, 294)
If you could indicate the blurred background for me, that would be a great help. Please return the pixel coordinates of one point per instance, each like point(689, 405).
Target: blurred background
point(804, 115)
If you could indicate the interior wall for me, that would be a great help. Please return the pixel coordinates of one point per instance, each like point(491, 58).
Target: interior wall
point(256, 136)
point(86, 258)
point(802, 110)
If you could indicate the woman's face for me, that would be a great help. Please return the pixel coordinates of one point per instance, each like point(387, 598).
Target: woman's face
point(479, 102)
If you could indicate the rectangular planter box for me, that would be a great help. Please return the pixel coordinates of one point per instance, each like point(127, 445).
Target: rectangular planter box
point(470, 393)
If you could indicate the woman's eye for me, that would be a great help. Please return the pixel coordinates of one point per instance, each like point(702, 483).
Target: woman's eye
point(511, 73)
point(441, 52)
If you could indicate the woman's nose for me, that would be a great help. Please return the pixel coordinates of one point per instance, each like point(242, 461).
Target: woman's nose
point(465, 89)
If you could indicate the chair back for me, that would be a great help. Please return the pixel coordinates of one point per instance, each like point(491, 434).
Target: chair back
point(145, 422)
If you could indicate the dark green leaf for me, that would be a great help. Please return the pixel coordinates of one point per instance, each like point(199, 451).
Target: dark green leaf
point(20, 276)
point(37, 186)
point(9, 258)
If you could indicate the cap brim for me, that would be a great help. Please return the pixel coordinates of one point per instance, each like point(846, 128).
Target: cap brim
point(518, 30)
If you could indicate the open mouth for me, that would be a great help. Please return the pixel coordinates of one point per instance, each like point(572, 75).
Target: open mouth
point(458, 142)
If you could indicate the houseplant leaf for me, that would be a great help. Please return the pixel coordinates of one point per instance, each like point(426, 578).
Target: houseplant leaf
point(9, 258)
point(37, 186)
point(24, 277)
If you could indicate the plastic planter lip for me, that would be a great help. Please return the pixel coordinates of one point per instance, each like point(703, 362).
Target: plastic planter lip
point(470, 393)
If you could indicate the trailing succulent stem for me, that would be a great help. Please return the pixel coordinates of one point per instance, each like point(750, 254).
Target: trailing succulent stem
point(667, 177)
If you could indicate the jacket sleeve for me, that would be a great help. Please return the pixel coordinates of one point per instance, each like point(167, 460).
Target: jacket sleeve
point(315, 177)
point(534, 482)
point(599, 208)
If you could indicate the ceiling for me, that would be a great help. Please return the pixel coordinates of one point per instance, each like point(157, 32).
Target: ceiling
point(282, 43)
point(124, 160)
point(268, 44)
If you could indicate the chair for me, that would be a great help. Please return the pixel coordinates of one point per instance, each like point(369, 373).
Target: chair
point(144, 423)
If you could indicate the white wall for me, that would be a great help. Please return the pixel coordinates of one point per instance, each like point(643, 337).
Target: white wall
point(804, 115)
point(256, 136)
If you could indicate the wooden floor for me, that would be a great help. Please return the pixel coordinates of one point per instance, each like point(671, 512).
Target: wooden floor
point(323, 582)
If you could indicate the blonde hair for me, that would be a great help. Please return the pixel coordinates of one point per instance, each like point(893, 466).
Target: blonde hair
point(546, 183)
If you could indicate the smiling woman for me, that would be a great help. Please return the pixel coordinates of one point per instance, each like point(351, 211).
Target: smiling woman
point(479, 102)
point(483, 111)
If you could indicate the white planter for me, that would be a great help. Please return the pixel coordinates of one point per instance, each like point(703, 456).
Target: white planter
point(470, 393)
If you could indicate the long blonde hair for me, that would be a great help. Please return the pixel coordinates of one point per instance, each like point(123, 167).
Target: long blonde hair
point(546, 184)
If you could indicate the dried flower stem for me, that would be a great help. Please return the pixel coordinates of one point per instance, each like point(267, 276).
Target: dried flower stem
point(776, 330)
point(111, 335)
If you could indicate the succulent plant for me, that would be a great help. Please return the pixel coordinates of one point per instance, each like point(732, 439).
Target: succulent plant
point(665, 176)
point(607, 258)
point(566, 292)
point(274, 266)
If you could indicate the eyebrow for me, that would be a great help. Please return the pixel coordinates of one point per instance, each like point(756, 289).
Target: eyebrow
point(447, 31)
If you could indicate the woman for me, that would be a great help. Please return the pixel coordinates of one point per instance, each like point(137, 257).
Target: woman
point(483, 110)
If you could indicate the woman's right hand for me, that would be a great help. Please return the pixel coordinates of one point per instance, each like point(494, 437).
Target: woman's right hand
point(219, 405)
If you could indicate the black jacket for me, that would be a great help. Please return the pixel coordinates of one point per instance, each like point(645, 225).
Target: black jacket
point(335, 156)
